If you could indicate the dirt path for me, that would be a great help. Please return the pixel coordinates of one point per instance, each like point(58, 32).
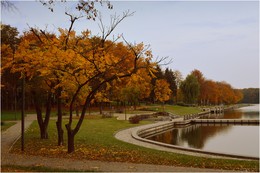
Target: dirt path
point(9, 137)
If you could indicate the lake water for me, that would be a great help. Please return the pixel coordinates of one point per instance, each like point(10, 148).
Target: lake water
point(230, 139)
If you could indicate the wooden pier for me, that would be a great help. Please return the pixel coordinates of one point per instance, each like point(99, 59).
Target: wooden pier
point(225, 121)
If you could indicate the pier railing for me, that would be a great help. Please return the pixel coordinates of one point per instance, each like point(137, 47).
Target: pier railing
point(226, 121)
point(206, 111)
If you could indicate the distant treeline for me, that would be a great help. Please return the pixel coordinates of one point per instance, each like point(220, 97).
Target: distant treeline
point(251, 95)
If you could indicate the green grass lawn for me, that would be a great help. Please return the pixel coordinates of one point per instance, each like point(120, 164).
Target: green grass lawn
point(10, 115)
point(7, 115)
point(175, 109)
point(96, 141)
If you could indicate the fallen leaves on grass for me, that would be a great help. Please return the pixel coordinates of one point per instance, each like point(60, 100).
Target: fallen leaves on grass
point(117, 154)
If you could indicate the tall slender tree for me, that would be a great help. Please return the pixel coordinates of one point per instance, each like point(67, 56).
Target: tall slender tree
point(190, 89)
point(162, 91)
point(170, 78)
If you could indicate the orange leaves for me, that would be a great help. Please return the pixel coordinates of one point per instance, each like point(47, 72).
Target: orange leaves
point(219, 92)
point(136, 87)
point(107, 154)
point(101, 97)
point(81, 63)
point(213, 92)
point(162, 90)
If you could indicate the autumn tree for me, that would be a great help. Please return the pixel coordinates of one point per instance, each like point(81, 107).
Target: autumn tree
point(136, 88)
point(76, 67)
point(209, 93)
point(212, 92)
point(162, 90)
point(157, 74)
point(60, 47)
point(95, 65)
point(100, 98)
point(198, 74)
point(30, 57)
point(9, 81)
point(238, 95)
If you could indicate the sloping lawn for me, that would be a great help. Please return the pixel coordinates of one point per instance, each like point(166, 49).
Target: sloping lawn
point(10, 115)
point(96, 141)
point(175, 109)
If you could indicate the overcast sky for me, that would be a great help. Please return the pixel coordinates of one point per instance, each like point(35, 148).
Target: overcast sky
point(221, 38)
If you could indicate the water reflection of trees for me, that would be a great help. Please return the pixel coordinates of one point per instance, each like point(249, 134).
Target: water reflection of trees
point(251, 115)
point(197, 135)
point(227, 115)
point(233, 114)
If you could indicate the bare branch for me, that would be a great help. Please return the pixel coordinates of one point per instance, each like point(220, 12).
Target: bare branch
point(35, 32)
point(5, 4)
point(72, 20)
point(163, 60)
point(115, 20)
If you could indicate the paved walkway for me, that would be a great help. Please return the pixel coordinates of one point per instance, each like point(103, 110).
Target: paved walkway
point(9, 137)
point(126, 135)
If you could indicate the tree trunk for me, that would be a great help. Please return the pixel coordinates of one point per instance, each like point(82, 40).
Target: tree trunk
point(71, 136)
point(100, 108)
point(43, 128)
point(43, 124)
point(72, 132)
point(44, 132)
point(60, 133)
point(59, 120)
point(77, 112)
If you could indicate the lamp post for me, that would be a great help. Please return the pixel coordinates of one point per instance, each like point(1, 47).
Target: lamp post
point(14, 89)
point(23, 107)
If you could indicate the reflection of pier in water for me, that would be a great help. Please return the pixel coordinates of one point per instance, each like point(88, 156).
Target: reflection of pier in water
point(212, 116)
point(226, 121)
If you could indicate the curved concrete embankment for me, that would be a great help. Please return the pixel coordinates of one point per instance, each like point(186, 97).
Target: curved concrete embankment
point(133, 135)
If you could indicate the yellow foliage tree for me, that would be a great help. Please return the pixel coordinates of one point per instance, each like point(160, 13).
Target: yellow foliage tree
point(135, 88)
point(162, 90)
point(75, 68)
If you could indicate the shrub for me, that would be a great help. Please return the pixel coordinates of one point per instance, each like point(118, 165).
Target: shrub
point(135, 119)
point(162, 114)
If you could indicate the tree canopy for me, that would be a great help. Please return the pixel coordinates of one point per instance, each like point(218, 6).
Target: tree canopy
point(76, 67)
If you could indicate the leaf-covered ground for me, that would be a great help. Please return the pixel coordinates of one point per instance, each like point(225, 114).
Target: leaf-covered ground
point(96, 141)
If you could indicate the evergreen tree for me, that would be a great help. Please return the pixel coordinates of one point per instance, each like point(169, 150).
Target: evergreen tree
point(170, 78)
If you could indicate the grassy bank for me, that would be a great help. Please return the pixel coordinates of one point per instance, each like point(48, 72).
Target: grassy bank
point(95, 141)
point(10, 115)
point(174, 109)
